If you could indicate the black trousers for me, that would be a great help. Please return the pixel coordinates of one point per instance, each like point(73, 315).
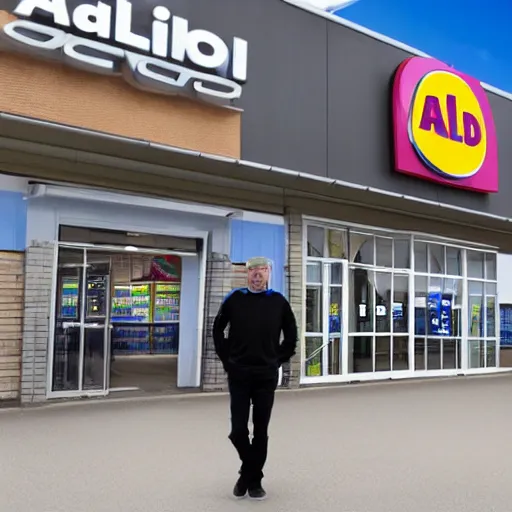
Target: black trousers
point(259, 391)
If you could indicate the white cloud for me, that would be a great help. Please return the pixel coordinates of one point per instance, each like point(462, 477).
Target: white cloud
point(329, 5)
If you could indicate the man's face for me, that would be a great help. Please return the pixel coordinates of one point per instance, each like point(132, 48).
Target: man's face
point(257, 278)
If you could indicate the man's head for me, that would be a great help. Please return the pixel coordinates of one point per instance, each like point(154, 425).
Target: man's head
point(258, 273)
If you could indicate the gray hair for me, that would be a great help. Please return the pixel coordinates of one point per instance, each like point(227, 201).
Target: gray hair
point(258, 261)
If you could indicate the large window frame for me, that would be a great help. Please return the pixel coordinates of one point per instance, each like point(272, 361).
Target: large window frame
point(457, 345)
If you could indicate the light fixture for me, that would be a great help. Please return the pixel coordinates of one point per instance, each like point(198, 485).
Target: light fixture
point(131, 248)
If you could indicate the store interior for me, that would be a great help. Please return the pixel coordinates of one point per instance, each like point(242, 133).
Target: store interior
point(132, 308)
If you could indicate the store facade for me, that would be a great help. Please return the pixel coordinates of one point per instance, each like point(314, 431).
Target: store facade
point(135, 144)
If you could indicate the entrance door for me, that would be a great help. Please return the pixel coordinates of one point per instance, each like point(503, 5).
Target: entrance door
point(81, 347)
point(326, 317)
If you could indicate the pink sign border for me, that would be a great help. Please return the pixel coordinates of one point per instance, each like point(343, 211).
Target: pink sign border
point(408, 76)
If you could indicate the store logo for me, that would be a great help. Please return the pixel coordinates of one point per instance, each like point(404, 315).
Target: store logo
point(203, 65)
point(443, 124)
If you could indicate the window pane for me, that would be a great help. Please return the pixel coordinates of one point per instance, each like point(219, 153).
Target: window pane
point(335, 312)
point(433, 354)
point(419, 354)
point(382, 301)
point(360, 358)
point(491, 354)
point(490, 303)
point(334, 351)
point(316, 241)
point(361, 301)
point(451, 354)
point(420, 257)
point(453, 261)
point(314, 309)
point(476, 353)
point(420, 305)
point(314, 273)
point(476, 264)
point(361, 248)
point(400, 353)
point(337, 243)
point(401, 304)
point(336, 273)
point(384, 251)
point(402, 253)
point(437, 259)
point(382, 354)
point(313, 364)
point(490, 266)
point(475, 311)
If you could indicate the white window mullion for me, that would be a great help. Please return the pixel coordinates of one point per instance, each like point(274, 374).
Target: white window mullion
point(411, 310)
point(345, 318)
point(464, 313)
point(325, 318)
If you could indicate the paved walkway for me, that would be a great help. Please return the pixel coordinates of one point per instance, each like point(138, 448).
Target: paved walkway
point(438, 446)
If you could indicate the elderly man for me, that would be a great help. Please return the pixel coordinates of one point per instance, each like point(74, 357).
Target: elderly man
point(252, 354)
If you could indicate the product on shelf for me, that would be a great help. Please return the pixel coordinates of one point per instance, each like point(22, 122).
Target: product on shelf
point(69, 298)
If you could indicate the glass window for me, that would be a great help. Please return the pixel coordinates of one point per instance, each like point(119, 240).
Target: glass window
point(436, 253)
point(419, 354)
point(336, 273)
point(400, 353)
point(475, 309)
point(490, 311)
point(401, 304)
point(434, 353)
point(316, 241)
point(383, 301)
point(360, 354)
point(337, 243)
point(384, 251)
point(490, 266)
point(402, 253)
point(382, 354)
point(313, 363)
point(420, 305)
point(491, 354)
point(421, 257)
point(453, 261)
point(314, 273)
point(475, 264)
point(451, 354)
point(314, 320)
point(476, 353)
point(361, 300)
point(362, 248)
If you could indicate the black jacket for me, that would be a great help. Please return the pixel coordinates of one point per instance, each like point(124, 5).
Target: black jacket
point(256, 321)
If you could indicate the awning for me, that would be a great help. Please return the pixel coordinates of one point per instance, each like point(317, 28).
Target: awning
point(43, 150)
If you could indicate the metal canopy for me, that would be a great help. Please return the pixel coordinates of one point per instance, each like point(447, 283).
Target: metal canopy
point(51, 151)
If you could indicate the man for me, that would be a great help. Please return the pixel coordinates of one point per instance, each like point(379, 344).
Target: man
point(252, 354)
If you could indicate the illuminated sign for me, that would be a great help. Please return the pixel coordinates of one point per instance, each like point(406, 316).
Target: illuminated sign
point(171, 58)
point(443, 127)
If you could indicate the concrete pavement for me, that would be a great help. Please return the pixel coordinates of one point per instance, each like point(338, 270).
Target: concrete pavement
point(431, 446)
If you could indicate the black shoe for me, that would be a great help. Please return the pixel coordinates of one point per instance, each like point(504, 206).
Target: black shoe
point(256, 492)
point(240, 490)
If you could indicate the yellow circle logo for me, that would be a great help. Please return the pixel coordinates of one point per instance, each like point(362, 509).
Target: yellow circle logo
point(447, 127)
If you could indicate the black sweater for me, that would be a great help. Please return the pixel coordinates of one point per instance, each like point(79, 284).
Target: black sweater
point(255, 321)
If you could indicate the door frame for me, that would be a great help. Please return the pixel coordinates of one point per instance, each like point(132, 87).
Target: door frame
point(50, 394)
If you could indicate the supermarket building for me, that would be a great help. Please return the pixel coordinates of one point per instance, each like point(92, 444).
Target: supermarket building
point(148, 150)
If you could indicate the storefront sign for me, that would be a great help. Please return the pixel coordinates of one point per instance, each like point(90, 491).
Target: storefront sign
point(203, 65)
point(443, 127)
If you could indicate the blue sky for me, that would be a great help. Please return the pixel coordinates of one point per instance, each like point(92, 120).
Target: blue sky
point(473, 36)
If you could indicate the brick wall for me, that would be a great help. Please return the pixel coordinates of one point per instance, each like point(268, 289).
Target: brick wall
point(295, 289)
point(11, 321)
point(38, 288)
